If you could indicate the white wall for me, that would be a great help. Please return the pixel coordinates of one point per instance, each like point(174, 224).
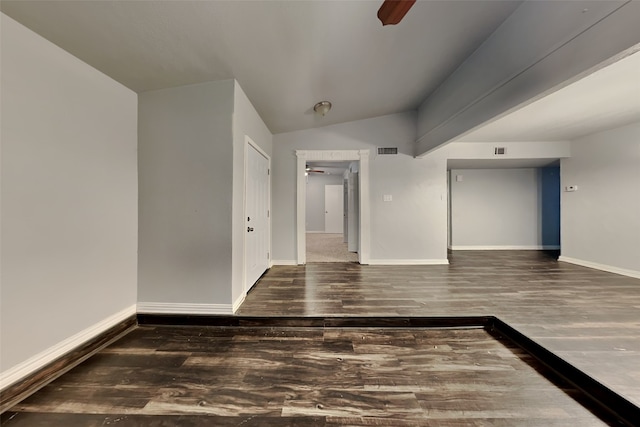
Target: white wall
point(69, 197)
point(601, 221)
point(185, 173)
point(246, 121)
point(411, 227)
point(315, 199)
point(497, 209)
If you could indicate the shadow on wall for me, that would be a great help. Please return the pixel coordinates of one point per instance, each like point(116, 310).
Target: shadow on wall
point(549, 205)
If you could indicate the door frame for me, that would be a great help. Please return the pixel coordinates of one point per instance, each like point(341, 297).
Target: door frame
point(362, 156)
point(353, 204)
point(248, 142)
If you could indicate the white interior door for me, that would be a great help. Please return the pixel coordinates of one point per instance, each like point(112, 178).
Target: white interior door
point(257, 216)
point(333, 208)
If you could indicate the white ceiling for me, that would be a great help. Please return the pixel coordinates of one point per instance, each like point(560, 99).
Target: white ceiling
point(287, 55)
point(607, 98)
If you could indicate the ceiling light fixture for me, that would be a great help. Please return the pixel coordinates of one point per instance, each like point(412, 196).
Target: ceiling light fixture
point(322, 107)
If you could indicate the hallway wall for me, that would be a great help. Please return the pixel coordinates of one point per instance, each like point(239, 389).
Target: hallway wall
point(315, 199)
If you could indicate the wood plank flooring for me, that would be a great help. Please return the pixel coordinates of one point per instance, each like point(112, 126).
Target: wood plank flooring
point(588, 317)
point(315, 376)
point(296, 376)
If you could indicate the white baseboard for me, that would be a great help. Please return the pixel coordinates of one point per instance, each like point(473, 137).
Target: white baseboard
point(408, 261)
point(238, 302)
point(183, 308)
point(603, 267)
point(505, 248)
point(284, 262)
point(31, 365)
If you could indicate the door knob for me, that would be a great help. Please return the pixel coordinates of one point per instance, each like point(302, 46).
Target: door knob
point(249, 229)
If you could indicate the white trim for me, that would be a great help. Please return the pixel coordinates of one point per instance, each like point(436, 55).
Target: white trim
point(505, 248)
point(284, 262)
point(317, 232)
point(256, 146)
point(249, 142)
point(603, 267)
point(365, 213)
point(333, 155)
point(239, 301)
point(31, 365)
point(409, 261)
point(183, 308)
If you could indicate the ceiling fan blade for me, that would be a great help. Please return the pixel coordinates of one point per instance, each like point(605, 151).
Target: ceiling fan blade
point(309, 169)
point(392, 11)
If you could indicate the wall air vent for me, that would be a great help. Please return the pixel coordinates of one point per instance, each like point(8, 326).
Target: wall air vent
point(387, 150)
point(499, 151)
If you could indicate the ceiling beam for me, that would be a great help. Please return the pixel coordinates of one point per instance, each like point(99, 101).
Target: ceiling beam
point(540, 48)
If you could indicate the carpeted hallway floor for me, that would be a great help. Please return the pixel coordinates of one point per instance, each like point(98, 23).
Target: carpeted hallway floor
point(326, 247)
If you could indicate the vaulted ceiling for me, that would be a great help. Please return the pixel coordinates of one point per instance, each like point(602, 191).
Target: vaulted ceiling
point(288, 54)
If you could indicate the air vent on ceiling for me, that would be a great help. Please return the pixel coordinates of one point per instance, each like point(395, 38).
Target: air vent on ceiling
point(387, 150)
point(500, 151)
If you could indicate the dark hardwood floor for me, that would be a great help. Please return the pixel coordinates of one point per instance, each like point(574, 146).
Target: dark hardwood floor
point(293, 376)
point(588, 317)
point(310, 376)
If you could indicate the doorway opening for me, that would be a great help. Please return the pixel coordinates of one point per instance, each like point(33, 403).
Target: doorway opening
point(332, 206)
point(506, 205)
point(352, 228)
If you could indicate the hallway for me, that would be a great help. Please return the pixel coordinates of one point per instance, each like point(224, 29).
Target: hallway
point(328, 247)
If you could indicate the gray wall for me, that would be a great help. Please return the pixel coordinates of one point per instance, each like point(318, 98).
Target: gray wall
point(69, 196)
point(503, 208)
point(411, 227)
point(315, 199)
point(601, 221)
point(185, 175)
